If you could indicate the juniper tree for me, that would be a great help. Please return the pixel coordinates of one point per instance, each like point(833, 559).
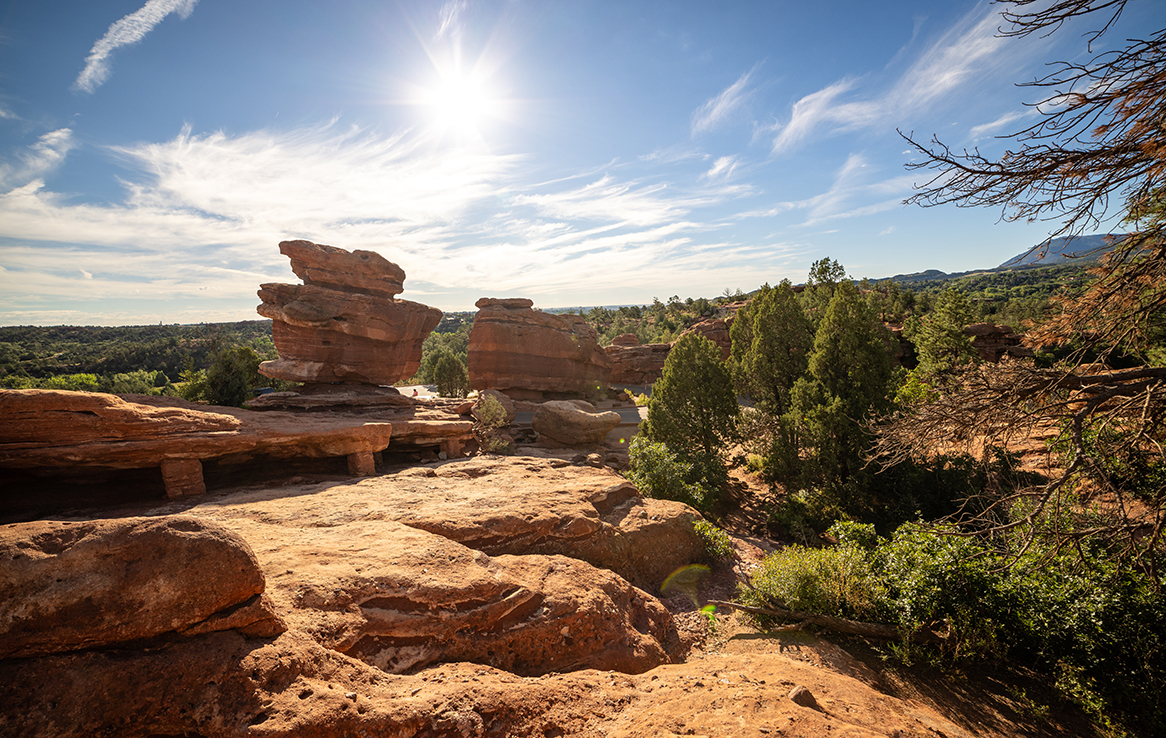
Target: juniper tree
point(693, 409)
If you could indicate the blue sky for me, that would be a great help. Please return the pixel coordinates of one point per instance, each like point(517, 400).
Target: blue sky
point(154, 154)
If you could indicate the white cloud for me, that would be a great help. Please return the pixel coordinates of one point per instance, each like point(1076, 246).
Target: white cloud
point(451, 14)
point(980, 131)
point(40, 159)
point(125, 32)
point(967, 52)
point(722, 168)
point(717, 110)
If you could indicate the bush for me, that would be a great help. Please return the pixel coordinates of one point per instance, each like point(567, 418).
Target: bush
point(717, 544)
point(834, 581)
point(491, 418)
point(659, 473)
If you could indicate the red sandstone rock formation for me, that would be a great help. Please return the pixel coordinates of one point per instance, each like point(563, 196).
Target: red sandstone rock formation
point(633, 363)
point(527, 353)
point(344, 323)
point(715, 330)
point(992, 341)
point(67, 586)
point(64, 429)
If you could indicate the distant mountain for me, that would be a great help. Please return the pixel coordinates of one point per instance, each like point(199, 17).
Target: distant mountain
point(1060, 250)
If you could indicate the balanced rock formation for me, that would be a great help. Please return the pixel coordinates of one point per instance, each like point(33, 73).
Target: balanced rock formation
point(636, 363)
point(68, 586)
point(530, 354)
point(344, 323)
point(992, 342)
point(573, 423)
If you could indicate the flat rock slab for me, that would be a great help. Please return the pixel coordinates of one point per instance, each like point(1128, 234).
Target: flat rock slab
point(500, 505)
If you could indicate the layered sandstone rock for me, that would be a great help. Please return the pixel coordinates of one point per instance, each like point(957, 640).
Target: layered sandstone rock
point(61, 429)
point(344, 324)
point(633, 363)
point(573, 423)
point(530, 354)
point(992, 342)
point(67, 586)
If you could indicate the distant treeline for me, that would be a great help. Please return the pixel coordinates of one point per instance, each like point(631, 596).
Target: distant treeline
point(40, 352)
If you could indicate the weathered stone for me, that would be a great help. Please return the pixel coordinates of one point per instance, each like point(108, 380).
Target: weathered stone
point(637, 364)
point(138, 431)
point(626, 339)
point(343, 324)
point(568, 423)
point(715, 330)
point(992, 342)
point(66, 586)
point(514, 348)
point(804, 697)
point(66, 418)
point(504, 400)
point(329, 266)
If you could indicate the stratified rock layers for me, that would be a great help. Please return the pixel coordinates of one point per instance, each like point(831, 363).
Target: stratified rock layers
point(344, 323)
point(513, 347)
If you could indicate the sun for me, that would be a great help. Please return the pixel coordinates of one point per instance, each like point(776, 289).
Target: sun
point(460, 103)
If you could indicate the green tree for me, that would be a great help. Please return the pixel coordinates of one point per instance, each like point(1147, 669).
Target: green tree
point(825, 275)
point(693, 409)
point(939, 336)
point(450, 376)
point(231, 377)
point(772, 338)
point(848, 385)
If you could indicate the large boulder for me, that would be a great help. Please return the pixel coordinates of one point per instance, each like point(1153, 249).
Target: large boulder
point(530, 354)
point(68, 586)
point(344, 323)
point(573, 423)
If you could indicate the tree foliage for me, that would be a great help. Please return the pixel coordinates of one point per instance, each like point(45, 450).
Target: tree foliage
point(771, 343)
point(1096, 153)
point(693, 408)
point(939, 337)
point(846, 387)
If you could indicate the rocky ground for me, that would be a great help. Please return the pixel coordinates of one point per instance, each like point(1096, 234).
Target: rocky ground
point(474, 597)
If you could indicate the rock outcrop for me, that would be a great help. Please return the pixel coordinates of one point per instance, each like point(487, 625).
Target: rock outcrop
point(715, 330)
point(344, 324)
point(573, 423)
point(531, 355)
point(992, 342)
point(635, 363)
point(65, 586)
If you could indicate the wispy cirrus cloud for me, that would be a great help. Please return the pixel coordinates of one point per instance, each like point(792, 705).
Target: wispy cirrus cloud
point(124, 32)
point(968, 51)
point(39, 159)
point(854, 192)
point(719, 109)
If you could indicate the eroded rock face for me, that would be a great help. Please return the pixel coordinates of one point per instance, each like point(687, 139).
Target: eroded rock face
point(65, 586)
point(573, 423)
point(528, 354)
point(633, 363)
point(344, 323)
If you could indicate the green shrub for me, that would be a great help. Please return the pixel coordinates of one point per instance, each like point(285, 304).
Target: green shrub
point(491, 418)
point(717, 544)
point(834, 581)
point(659, 473)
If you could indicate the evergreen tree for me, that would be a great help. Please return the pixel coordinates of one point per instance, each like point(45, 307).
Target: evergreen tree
point(939, 336)
point(450, 376)
point(825, 275)
point(771, 343)
point(693, 409)
point(848, 384)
